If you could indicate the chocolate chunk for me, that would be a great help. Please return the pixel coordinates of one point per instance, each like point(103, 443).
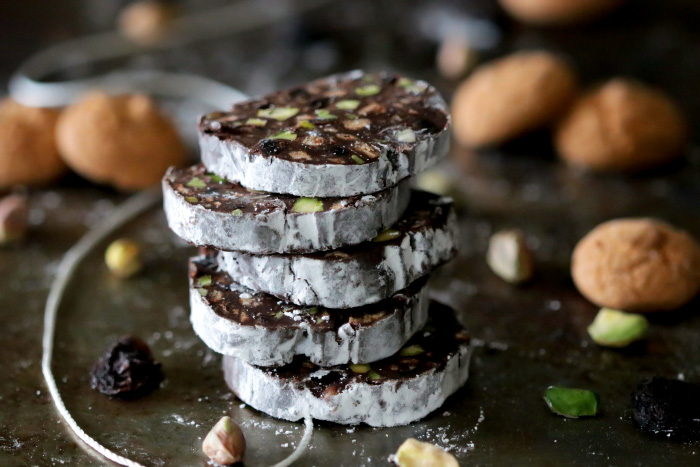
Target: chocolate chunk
point(126, 370)
point(271, 147)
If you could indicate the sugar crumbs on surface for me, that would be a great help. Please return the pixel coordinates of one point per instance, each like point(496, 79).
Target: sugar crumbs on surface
point(456, 443)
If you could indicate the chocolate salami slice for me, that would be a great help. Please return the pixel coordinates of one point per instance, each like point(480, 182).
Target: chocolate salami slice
point(205, 209)
point(262, 330)
point(394, 391)
point(422, 240)
point(347, 134)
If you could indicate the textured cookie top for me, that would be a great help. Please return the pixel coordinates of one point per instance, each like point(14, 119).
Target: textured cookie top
point(428, 350)
point(246, 307)
point(199, 187)
point(343, 119)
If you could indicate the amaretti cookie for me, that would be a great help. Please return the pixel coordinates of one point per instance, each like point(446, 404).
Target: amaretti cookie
point(394, 391)
point(207, 210)
point(262, 330)
point(637, 264)
point(343, 135)
point(28, 153)
point(124, 141)
point(422, 240)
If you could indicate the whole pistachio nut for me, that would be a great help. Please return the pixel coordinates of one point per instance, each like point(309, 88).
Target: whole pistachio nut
point(225, 443)
point(614, 328)
point(414, 453)
point(509, 257)
point(123, 257)
point(13, 218)
point(434, 181)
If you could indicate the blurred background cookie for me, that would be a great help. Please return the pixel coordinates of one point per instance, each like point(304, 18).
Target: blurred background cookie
point(123, 141)
point(146, 22)
point(28, 154)
point(511, 96)
point(622, 125)
point(557, 12)
point(637, 265)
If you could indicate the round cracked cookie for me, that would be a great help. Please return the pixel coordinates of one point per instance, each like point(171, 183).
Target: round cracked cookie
point(421, 241)
point(205, 209)
point(394, 391)
point(263, 330)
point(343, 135)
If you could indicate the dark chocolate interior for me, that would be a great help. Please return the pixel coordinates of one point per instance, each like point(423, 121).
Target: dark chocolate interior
point(244, 306)
point(335, 121)
point(200, 187)
point(427, 350)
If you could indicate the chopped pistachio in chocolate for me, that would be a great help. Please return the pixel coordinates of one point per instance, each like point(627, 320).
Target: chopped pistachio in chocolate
point(439, 341)
point(244, 306)
point(334, 120)
point(352, 276)
point(200, 187)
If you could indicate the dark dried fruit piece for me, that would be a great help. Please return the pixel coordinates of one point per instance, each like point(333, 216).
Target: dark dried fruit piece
point(126, 370)
point(271, 147)
point(339, 150)
point(668, 407)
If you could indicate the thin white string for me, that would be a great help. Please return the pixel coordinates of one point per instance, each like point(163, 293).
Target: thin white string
point(305, 440)
point(131, 208)
point(28, 87)
point(134, 206)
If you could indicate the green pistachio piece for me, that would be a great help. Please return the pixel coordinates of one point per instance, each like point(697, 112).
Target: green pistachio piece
point(286, 134)
point(348, 104)
point(360, 368)
point(614, 328)
point(312, 310)
point(324, 114)
point(386, 235)
point(123, 257)
point(278, 113)
point(256, 122)
point(306, 125)
point(237, 212)
point(412, 86)
point(307, 205)
point(351, 116)
point(357, 159)
point(319, 320)
point(204, 281)
point(369, 90)
point(196, 183)
point(279, 315)
point(374, 375)
point(202, 292)
point(571, 402)
point(411, 350)
point(216, 178)
point(191, 199)
point(403, 82)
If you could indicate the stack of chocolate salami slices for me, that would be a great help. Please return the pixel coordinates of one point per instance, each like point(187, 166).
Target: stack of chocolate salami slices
point(313, 278)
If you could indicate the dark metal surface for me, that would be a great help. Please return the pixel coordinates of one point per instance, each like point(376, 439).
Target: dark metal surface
point(533, 336)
